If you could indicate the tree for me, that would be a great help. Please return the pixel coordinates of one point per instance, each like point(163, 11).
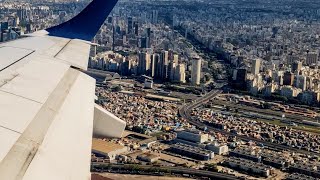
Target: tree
point(116, 89)
point(266, 105)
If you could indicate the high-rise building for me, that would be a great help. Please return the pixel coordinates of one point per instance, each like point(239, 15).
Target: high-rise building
point(144, 63)
point(29, 28)
point(136, 28)
point(148, 32)
point(154, 18)
point(145, 42)
point(291, 58)
point(196, 71)
point(256, 63)
point(21, 13)
point(171, 70)
point(176, 58)
point(16, 21)
point(130, 25)
point(288, 78)
point(164, 63)
point(312, 58)
point(240, 78)
point(4, 26)
point(4, 36)
point(109, 20)
point(296, 66)
point(152, 65)
point(180, 73)
point(301, 82)
point(126, 67)
point(157, 66)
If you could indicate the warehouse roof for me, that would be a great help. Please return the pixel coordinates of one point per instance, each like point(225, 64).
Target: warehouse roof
point(105, 146)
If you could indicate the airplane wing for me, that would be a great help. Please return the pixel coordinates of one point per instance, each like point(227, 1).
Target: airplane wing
point(47, 109)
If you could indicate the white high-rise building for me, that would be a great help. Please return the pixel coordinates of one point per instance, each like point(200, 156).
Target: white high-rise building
point(171, 70)
point(180, 73)
point(256, 66)
point(176, 58)
point(196, 71)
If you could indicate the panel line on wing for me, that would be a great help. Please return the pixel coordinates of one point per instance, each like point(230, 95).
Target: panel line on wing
point(10, 129)
point(17, 47)
point(17, 61)
point(62, 48)
point(20, 96)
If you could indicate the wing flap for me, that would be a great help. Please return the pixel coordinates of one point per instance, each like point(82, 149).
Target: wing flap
point(107, 124)
point(66, 149)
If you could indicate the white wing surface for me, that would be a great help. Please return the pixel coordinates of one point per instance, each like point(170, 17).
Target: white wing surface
point(46, 104)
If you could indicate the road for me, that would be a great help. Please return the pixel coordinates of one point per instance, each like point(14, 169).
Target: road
point(185, 110)
point(166, 169)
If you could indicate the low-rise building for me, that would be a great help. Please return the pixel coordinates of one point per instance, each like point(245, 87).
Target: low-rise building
point(305, 168)
point(148, 157)
point(194, 136)
point(276, 160)
point(296, 176)
point(191, 151)
point(106, 149)
point(148, 83)
point(218, 148)
point(249, 166)
point(246, 154)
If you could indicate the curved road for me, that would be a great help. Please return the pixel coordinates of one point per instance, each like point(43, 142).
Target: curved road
point(185, 110)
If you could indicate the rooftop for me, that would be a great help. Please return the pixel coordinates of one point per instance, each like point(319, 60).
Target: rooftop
point(104, 146)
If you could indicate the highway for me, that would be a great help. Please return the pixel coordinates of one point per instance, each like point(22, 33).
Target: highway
point(185, 110)
point(164, 169)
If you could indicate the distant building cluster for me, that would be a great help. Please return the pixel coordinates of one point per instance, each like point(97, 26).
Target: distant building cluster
point(148, 47)
point(294, 81)
point(269, 51)
point(163, 66)
point(22, 18)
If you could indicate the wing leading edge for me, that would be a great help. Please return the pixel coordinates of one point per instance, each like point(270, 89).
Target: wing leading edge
point(47, 110)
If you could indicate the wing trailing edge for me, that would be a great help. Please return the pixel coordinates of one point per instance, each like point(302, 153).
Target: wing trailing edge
point(87, 23)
